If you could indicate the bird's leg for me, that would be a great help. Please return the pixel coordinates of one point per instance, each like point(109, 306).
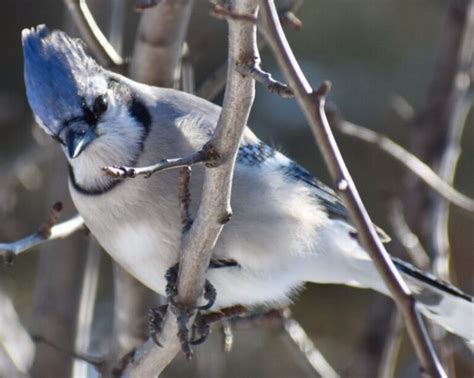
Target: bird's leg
point(184, 314)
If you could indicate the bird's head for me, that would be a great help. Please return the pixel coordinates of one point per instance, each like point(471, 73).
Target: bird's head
point(74, 99)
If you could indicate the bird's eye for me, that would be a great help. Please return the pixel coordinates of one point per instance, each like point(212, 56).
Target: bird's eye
point(100, 105)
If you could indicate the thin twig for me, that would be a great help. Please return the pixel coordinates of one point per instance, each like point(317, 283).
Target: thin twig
point(214, 209)
point(98, 362)
point(203, 155)
point(215, 82)
point(47, 232)
point(307, 349)
point(313, 105)
point(410, 161)
point(391, 350)
point(254, 70)
point(95, 40)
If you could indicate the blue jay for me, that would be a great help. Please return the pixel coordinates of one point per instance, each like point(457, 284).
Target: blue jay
point(287, 228)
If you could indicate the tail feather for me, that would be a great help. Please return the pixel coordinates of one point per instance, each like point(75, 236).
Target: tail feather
point(439, 300)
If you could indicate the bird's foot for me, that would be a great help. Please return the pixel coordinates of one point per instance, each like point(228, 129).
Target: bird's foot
point(155, 321)
point(200, 330)
point(171, 276)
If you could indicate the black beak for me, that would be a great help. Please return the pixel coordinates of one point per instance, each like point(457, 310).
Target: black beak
point(78, 138)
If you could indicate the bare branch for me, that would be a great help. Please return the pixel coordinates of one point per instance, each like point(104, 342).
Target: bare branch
point(159, 42)
point(214, 209)
point(204, 155)
point(313, 105)
point(96, 41)
point(16, 347)
point(215, 82)
point(306, 347)
point(406, 236)
point(47, 232)
point(392, 347)
point(255, 72)
point(410, 161)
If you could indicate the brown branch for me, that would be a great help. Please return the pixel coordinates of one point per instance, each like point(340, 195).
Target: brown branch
point(312, 104)
point(410, 161)
point(46, 232)
point(214, 209)
point(90, 32)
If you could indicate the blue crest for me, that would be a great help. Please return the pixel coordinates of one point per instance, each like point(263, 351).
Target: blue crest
point(57, 74)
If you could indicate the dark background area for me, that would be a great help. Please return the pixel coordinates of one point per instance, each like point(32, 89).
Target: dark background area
point(370, 51)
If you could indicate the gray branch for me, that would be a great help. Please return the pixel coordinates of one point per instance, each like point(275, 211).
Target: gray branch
point(159, 42)
point(214, 209)
point(45, 234)
point(312, 104)
point(411, 162)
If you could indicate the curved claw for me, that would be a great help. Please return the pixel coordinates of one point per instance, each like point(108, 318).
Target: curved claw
point(204, 331)
point(210, 294)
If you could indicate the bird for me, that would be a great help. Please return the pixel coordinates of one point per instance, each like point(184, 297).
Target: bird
point(287, 228)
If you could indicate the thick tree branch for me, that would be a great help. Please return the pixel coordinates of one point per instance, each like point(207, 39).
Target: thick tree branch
point(159, 42)
point(313, 105)
point(214, 209)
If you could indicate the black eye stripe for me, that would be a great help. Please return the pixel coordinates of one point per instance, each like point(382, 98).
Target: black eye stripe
point(99, 107)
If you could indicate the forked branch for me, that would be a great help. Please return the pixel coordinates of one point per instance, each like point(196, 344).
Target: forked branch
point(312, 103)
point(46, 232)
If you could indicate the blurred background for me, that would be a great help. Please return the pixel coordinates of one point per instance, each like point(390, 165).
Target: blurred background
point(373, 52)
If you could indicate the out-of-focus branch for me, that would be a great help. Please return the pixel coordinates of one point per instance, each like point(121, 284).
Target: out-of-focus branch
point(307, 349)
point(410, 161)
point(47, 232)
point(437, 131)
point(406, 236)
point(16, 347)
point(313, 105)
point(391, 351)
point(159, 42)
point(87, 300)
point(214, 209)
point(459, 102)
point(90, 32)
